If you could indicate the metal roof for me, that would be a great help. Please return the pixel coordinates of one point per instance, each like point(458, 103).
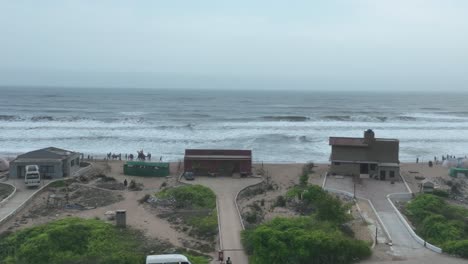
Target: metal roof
point(217, 157)
point(347, 141)
point(47, 153)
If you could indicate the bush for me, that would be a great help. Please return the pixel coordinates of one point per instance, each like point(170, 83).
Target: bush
point(301, 240)
point(252, 217)
point(438, 222)
point(440, 193)
point(280, 201)
point(458, 248)
point(144, 199)
point(71, 240)
point(329, 208)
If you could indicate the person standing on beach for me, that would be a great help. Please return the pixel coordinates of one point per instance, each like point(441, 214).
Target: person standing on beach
point(125, 183)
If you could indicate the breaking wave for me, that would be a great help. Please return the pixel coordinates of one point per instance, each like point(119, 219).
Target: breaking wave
point(286, 118)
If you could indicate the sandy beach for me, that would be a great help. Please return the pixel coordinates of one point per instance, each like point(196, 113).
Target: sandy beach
point(142, 217)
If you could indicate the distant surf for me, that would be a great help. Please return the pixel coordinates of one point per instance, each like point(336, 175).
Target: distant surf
point(277, 126)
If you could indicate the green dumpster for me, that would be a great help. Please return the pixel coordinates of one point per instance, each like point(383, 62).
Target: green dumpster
point(454, 172)
point(146, 169)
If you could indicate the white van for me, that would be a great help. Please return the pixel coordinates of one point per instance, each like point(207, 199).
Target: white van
point(32, 176)
point(167, 259)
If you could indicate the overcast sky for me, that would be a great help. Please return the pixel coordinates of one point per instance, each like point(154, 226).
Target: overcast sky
point(313, 45)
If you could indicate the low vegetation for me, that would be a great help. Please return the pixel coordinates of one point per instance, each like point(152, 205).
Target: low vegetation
point(317, 238)
point(440, 223)
point(197, 205)
point(75, 240)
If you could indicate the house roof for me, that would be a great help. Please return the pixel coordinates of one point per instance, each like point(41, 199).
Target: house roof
point(227, 152)
point(347, 141)
point(217, 157)
point(355, 142)
point(49, 153)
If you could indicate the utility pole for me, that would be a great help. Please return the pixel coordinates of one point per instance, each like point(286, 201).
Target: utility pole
point(376, 241)
point(354, 196)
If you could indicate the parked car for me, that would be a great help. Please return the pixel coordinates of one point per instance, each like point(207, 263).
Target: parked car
point(188, 175)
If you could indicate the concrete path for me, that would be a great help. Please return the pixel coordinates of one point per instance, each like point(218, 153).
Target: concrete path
point(226, 190)
point(405, 248)
point(21, 195)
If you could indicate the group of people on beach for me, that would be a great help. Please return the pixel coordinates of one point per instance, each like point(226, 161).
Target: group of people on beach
point(442, 159)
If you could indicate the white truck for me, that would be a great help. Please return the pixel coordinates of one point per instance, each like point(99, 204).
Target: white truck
point(32, 177)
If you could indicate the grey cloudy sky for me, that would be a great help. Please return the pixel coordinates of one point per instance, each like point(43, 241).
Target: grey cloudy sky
point(332, 44)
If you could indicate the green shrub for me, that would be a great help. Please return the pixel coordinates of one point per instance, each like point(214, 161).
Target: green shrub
point(71, 240)
point(438, 222)
point(329, 207)
point(301, 240)
point(441, 193)
point(280, 201)
point(458, 248)
point(437, 230)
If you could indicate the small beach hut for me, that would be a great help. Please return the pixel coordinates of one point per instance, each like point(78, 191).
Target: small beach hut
point(427, 186)
point(146, 169)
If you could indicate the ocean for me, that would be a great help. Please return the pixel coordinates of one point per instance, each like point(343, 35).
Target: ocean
point(286, 126)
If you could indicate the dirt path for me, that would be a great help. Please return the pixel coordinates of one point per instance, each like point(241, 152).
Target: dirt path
point(140, 218)
point(226, 190)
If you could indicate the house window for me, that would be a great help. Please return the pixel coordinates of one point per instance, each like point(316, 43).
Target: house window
point(77, 161)
point(337, 163)
point(372, 167)
point(73, 163)
point(382, 173)
point(392, 174)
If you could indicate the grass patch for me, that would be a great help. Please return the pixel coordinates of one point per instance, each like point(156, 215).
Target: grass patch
point(58, 184)
point(190, 196)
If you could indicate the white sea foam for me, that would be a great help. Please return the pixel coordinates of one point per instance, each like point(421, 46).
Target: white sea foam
point(278, 129)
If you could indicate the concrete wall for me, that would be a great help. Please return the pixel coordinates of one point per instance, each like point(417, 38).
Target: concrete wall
point(345, 168)
point(70, 169)
point(377, 151)
point(387, 170)
point(58, 170)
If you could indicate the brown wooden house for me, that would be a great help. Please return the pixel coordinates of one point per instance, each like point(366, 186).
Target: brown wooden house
point(365, 157)
point(226, 162)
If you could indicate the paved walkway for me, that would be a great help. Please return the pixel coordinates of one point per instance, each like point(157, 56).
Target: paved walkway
point(21, 195)
point(405, 248)
point(226, 190)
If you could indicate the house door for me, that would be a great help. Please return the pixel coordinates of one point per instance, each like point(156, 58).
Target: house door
point(382, 175)
point(364, 168)
point(20, 171)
